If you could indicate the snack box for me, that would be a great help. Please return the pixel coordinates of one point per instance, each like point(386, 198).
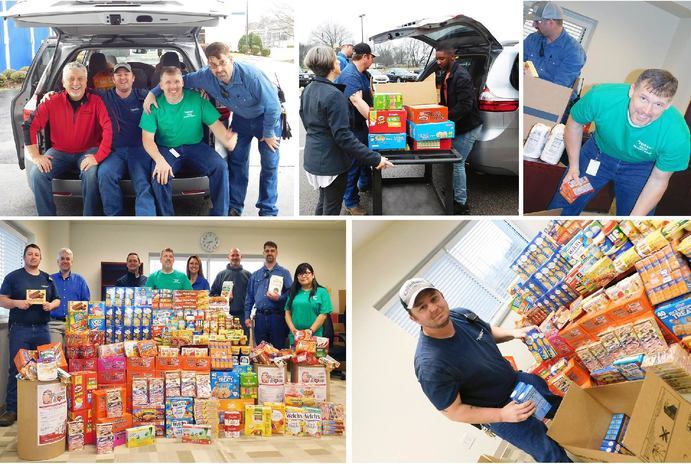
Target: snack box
point(80, 390)
point(313, 422)
point(422, 145)
point(86, 416)
point(423, 114)
point(575, 188)
point(387, 141)
point(96, 323)
point(36, 296)
point(195, 363)
point(676, 315)
point(432, 131)
point(141, 365)
point(120, 424)
point(257, 420)
point(225, 385)
point(101, 398)
point(142, 435)
point(167, 364)
point(387, 101)
point(181, 407)
point(295, 419)
point(278, 418)
point(174, 427)
point(523, 392)
point(112, 377)
point(387, 121)
point(192, 433)
point(148, 413)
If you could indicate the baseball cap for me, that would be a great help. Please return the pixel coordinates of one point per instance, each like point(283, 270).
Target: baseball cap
point(363, 49)
point(410, 289)
point(545, 10)
point(122, 65)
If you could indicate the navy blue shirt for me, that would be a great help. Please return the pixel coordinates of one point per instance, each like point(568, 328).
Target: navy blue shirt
point(73, 288)
point(468, 363)
point(240, 279)
point(129, 280)
point(200, 284)
point(125, 114)
point(259, 285)
point(561, 61)
point(15, 285)
point(354, 80)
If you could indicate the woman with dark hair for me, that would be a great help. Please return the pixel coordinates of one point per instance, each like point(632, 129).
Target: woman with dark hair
point(309, 304)
point(195, 274)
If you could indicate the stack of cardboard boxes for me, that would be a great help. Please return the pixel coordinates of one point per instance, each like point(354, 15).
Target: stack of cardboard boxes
point(387, 122)
point(429, 127)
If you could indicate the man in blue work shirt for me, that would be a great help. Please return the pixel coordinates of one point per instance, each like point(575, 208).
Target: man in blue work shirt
point(28, 324)
point(270, 323)
point(248, 93)
point(357, 88)
point(124, 104)
point(557, 56)
point(464, 375)
point(345, 55)
point(71, 287)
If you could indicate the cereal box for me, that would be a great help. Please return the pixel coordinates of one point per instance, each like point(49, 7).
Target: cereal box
point(142, 435)
point(257, 420)
point(313, 422)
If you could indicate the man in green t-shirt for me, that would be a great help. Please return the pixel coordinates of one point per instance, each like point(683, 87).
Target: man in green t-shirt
point(639, 142)
point(172, 135)
point(168, 278)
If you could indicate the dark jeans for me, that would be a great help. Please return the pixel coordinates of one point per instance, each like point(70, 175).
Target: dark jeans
point(628, 178)
point(239, 166)
point(271, 327)
point(137, 162)
point(27, 337)
point(531, 434)
point(202, 160)
point(351, 197)
point(330, 197)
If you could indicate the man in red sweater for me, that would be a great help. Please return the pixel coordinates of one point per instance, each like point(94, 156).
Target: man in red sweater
point(81, 137)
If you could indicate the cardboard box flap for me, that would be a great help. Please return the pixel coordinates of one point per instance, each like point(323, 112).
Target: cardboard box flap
point(414, 93)
point(592, 455)
point(660, 427)
point(544, 102)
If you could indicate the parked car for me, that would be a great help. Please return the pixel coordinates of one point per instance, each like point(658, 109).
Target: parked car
point(304, 78)
point(378, 77)
point(493, 67)
point(401, 75)
point(137, 32)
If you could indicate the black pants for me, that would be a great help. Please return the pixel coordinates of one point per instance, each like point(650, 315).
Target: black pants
point(330, 198)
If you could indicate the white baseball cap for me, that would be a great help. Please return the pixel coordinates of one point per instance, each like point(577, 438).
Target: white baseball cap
point(545, 10)
point(410, 289)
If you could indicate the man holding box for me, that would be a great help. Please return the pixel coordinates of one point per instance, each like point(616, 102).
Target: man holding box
point(459, 95)
point(28, 324)
point(71, 287)
point(638, 152)
point(462, 372)
point(239, 277)
point(270, 323)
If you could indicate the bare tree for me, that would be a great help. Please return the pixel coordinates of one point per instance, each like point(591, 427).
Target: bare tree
point(332, 34)
point(284, 15)
point(416, 51)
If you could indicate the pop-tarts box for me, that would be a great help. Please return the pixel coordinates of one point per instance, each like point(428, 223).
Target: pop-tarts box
point(432, 131)
point(97, 308)
point(387, 141)
point(676, 315)
point(523, 392)
point(97, 323)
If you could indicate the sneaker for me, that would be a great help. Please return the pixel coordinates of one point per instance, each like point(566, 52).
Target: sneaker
point(234, 212)
point(356, 211)
point(461, 209)
point(8, 418)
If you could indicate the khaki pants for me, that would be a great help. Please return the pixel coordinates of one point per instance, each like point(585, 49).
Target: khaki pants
point(57, 332)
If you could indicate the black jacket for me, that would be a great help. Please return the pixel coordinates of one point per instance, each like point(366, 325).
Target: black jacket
point(463, 103)
point(239, 277)
point(129, 280)
point(330, 145)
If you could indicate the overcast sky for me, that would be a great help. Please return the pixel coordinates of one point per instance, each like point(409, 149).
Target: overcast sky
point(502, 18)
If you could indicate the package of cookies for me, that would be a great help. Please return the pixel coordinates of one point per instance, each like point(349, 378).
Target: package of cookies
point(140, 391)
point(156, 390)
point(313, 422)
point(105, 438)
point(203, 382)
point(75, 434)
point(295, 418)
point(627, 339)
point(188, 383)
point(649, 335)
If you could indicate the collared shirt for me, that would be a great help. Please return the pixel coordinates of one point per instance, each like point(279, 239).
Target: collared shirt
point(200, 284)
point(240, 278)
point(354, 80)
point(342, 60)
point(15, 285)
point(129, 280)
point(249, 94)
point(125, 114)
point(71, 288)
point(259, 285)
point(560, 61)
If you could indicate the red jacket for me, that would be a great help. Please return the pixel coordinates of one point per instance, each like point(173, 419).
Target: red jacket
point(70, 131)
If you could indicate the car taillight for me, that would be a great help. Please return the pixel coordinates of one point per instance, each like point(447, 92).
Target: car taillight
point(492, 103)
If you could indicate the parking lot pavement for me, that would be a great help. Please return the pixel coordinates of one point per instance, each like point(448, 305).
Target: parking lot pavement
point(487, 195)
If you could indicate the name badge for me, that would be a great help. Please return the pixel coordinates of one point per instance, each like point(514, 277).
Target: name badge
point(593, 166)
point(174, 153)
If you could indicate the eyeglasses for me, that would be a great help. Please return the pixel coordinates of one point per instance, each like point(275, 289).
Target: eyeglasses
point(218, 64)
point(305, 273)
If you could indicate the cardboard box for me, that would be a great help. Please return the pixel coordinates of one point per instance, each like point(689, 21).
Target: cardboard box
point(80, 390)
point(167, 364)
point(387, 121)
point(414, 93)
point(422, 114)
point(86, 416)
point(387, 141)
point(41, 420)
point(341, 301)
point(432, 131)
point(100, 400)
point(387, 101)
point(120, 424)
point(139, 364)
point(544, 102)
point(442, 144)
point(195, 363)
point(658, 430)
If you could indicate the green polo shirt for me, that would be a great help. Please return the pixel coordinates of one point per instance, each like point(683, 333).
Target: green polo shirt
point(176, 280)
point(181, 123)
point(305, 310)
point(665, 140)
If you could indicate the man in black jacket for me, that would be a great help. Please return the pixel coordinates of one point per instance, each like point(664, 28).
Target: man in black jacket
point(458, 93)
point(239, 276)
point(135, 273)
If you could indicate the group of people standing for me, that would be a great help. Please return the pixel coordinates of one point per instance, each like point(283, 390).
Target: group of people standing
point(300, 304)
point(152, 136)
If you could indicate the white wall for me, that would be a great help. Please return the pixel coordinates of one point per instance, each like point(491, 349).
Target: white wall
point(632, 36)
point(392, 418)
